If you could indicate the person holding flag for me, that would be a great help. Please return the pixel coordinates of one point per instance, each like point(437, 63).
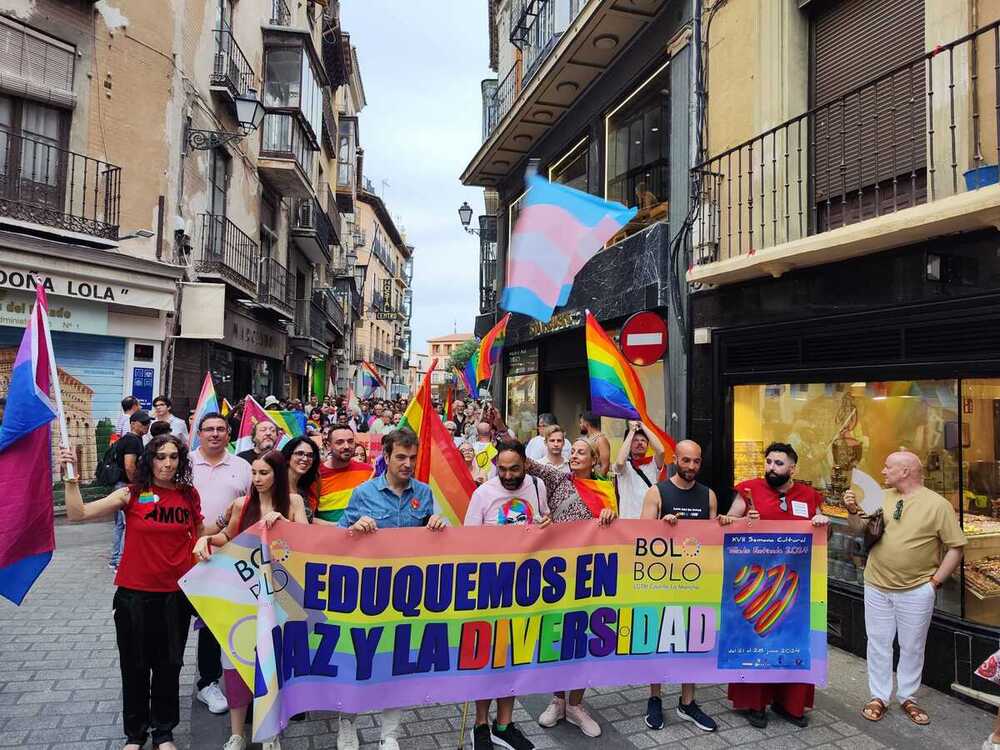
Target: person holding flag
point(636, 471)
point(152, 616)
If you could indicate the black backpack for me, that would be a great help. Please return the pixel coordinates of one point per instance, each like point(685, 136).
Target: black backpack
point(109, 471)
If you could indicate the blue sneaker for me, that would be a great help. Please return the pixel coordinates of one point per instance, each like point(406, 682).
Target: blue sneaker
point(691, 712)
point(654, 713)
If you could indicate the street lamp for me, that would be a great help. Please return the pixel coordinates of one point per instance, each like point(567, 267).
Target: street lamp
point(249, 115)
point(465, 216)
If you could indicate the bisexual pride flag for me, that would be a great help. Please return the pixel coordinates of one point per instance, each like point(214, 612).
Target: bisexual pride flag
point(27, 536)
point(370, 379)
point(558, 230)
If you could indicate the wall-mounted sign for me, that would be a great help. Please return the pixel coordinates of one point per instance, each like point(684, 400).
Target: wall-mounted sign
point(243, 332)
point(93, 289)
point(559, 322)
point(522, 361)
point(142, 386)
point(64, 315)
point(643, 339)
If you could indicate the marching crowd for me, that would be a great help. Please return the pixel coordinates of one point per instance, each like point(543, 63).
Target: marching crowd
point(169, 500)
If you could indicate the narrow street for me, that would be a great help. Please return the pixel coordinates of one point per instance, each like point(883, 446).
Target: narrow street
point(59, 688)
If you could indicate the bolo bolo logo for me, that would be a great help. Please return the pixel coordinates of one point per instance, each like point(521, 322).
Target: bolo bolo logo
point(666, 560)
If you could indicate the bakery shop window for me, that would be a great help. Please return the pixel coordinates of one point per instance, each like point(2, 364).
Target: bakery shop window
point(979, 435)
point(843, 433)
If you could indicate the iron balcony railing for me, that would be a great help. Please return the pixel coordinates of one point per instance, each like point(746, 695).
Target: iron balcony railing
point(44, 184)
point(284, 137)
point(501, 100)
point(309, 320)
point(280, 14)
point(228, 251)
point(275, 285)
point(308, 216)
point(232, 70)
point(382, 359)
point(327, 300)
point(923, 131)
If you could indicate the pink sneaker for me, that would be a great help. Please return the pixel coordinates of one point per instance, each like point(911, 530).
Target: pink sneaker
point(554, 713)
point(579, 716)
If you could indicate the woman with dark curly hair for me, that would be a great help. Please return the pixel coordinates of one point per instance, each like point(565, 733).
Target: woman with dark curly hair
point(152, 616)
point(302, 456)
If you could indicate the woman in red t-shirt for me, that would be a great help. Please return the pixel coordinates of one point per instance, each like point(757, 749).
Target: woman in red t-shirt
point(270, 499)
point(152, 616)
point(775, 497)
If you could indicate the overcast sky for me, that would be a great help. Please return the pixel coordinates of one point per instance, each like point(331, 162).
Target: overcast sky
point(422, 62)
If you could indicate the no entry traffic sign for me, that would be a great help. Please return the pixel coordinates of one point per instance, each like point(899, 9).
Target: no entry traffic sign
point(643, 339)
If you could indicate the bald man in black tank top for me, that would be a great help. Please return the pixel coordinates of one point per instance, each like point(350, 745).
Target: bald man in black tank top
point(676, 498)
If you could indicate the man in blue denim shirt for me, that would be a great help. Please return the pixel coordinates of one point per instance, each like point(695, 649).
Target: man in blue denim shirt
point(394, 500)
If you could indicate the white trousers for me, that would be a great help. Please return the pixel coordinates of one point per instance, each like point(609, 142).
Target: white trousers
point(905, 615)
point(391, 718)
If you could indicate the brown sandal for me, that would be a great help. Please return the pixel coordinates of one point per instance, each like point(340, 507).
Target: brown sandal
point(916, 714)
point(874, 710)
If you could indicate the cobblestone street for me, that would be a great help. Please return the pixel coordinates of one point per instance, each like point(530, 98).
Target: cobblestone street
point(59, 688)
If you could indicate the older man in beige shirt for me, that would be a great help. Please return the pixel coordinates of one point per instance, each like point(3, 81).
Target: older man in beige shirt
point(920, 549)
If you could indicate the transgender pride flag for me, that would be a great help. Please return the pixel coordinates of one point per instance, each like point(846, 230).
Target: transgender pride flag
point(27, 537)
point(558, 230)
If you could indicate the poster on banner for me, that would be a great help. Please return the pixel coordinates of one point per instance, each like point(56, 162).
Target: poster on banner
point(317, 618)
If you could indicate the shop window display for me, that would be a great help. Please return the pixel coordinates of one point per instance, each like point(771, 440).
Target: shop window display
point(843, 433)
point(522, 405)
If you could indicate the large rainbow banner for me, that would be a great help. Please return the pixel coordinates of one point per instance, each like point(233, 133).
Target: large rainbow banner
point(317, 618)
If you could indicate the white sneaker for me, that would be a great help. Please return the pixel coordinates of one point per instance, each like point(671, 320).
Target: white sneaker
point(554, 712)
point(388, 743)
point(274, 744)
point(347, 735)
point(579, 716)
point(236, 742)
point(212, 697)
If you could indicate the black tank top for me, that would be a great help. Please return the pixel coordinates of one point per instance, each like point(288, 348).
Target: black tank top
point(692, 503)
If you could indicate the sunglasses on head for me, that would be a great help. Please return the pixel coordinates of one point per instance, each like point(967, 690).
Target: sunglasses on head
point(783, 503)
point(899, 510)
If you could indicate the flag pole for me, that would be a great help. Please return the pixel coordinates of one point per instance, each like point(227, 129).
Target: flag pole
point(57, 392)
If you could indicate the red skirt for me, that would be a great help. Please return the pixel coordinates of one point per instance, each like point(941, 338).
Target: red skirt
point(794, 697)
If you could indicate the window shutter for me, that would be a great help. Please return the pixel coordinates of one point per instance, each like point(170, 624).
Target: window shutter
point(875, 135)
point(35, 66)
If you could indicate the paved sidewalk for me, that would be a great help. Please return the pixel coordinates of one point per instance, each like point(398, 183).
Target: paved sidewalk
point(60, 688)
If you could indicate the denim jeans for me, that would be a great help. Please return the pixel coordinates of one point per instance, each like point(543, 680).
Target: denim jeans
point(119, 539)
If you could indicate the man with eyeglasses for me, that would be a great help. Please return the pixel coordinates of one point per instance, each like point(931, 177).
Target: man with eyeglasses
point(220, 478)
point(918, 552)
point(775, 497)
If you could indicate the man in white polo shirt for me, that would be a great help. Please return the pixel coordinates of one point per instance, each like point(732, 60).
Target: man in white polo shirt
point(220, 478)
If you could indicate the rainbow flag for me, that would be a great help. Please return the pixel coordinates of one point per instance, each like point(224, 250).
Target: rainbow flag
point(558, 230)
point(336, 486)
point(615, 390)
point(463, 378)
point(370, 379)
point(292, 423)
point(208, 402)
point(597, 494)
point(439, 463)
point(448, 413)
point(27, 534)
point(489, 350)
point(252, 414)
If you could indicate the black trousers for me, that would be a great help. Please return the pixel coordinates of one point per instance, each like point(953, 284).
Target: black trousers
point(209, 659)
point(151, 629)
